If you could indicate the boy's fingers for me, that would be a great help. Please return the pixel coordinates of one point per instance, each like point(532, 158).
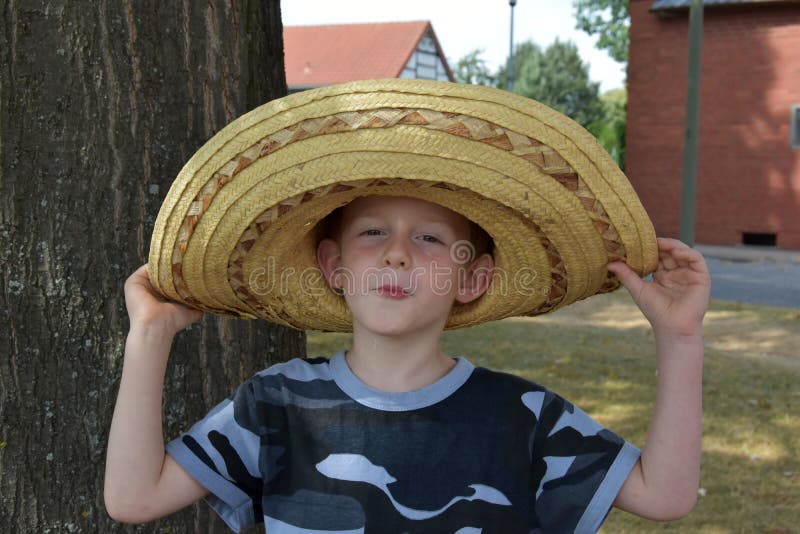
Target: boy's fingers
point(627, 276)
point(667, 243)
point(139, 282)
point(675, 248)
point(667, 260)
point(141, 271)
point(140, 277)
point(676, 253)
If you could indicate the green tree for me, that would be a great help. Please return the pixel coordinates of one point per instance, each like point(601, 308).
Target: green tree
point(610, 128)
point(610, 20)
point(556, 77)
point(472, 69)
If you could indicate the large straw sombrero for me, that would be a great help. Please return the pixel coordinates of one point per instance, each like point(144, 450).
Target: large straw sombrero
point(237, 232)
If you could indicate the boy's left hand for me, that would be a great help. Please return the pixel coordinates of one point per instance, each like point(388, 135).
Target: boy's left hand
point(677, 298)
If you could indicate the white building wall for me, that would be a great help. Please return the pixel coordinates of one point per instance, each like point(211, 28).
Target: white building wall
point(425, 63)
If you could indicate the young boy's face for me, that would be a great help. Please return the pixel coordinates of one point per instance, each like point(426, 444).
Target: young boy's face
point(397, 261)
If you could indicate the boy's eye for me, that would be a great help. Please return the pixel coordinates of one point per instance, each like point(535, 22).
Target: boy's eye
point(430, 239)
point(372, 231)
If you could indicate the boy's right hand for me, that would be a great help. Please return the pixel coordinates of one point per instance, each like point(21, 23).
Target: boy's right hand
point(147, 308)
point(143, 483)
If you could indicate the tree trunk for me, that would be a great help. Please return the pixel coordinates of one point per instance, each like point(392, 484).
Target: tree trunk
point(101, 103)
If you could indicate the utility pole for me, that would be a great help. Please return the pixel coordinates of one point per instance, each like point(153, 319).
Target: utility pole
point(689, 192)
point(510, 85)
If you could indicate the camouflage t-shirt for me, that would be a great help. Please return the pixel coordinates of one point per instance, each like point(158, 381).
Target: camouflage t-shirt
point(306, 447)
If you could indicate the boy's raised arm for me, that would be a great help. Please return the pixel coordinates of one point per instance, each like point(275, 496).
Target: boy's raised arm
point(142, 482)
point(663, 484)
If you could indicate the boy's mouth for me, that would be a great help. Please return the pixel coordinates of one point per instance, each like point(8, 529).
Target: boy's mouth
point(391, 291)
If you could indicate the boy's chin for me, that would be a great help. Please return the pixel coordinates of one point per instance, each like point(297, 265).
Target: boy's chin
point(389, 326)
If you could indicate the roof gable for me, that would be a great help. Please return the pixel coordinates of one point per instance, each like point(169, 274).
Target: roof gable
point(323, 55)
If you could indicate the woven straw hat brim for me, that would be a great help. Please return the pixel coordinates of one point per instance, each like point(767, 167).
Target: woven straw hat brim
point(237, 231)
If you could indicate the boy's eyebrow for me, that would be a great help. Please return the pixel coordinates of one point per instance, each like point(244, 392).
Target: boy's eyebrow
point(366, 219)
point(443, 224)
point(361, 219)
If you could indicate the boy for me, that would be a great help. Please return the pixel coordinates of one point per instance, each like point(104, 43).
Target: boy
point(392, 435)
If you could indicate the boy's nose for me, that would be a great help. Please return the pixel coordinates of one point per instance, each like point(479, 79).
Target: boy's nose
point(396, 254)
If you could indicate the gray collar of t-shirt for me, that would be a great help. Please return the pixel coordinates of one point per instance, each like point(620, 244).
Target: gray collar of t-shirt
point(399, 401)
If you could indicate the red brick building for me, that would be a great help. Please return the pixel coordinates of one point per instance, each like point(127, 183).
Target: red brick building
point(324, 55)
point(748, 174)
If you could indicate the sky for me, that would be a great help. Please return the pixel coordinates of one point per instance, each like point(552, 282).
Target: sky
point(465, 25)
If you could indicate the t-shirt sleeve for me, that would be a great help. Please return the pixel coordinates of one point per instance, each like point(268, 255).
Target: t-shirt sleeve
point(224, 457)
point(578, 465)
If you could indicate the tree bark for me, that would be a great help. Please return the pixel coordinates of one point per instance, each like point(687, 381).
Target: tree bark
point(101, 103)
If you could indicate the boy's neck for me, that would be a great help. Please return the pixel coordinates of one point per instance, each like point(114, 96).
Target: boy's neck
point(397, 364)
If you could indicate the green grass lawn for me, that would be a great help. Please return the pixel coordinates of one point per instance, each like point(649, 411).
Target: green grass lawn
point(599, 354)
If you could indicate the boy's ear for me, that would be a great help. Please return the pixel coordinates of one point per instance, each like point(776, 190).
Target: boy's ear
point(475, 280)
point(329, 257)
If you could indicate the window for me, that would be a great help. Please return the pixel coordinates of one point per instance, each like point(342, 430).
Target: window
point(429, 60)
point(795, 142)
point(426, 73)
point(761, 239)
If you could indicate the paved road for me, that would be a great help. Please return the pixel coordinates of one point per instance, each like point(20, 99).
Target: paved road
point(754, 275)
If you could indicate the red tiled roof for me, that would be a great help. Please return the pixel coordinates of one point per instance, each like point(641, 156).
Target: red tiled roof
point(323, 55)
